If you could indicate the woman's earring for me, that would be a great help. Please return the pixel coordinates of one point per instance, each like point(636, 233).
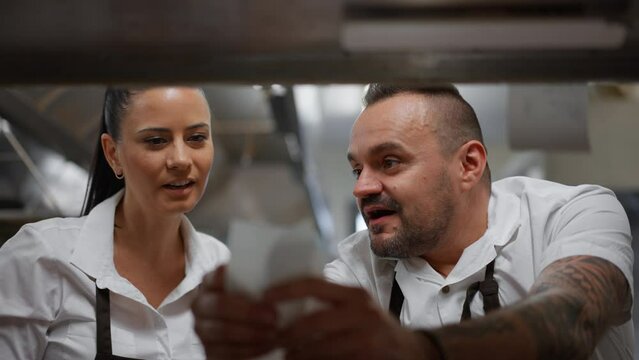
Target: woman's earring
point(119, 176)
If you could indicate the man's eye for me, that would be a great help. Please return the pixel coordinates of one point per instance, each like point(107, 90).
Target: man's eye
point(155, 141)
point(389, 163)
point(356, 173)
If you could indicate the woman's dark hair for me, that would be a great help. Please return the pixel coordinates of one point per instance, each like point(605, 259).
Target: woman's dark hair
point(102, 181)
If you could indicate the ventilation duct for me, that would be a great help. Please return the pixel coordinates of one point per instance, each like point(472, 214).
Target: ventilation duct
point(475, 25)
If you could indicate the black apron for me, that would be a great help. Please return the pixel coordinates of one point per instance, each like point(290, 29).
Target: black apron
point(489, 290)
point(103, 326)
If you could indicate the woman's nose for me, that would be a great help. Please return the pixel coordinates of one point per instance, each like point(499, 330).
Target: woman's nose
point(178, 157)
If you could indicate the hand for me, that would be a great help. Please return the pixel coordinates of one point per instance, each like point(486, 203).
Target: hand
point(350, 326)
point(232, 326)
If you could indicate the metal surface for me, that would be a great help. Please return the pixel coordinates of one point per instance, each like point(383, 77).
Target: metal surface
point(5, 129)
point(19, 112)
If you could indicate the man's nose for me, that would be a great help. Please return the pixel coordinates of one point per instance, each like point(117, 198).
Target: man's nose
point(178, 157)
point(366, 185)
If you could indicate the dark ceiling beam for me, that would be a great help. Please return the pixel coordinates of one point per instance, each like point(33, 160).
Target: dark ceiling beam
point(24, 117)
point(261, 41)
point(223, 26)
point(180, 67)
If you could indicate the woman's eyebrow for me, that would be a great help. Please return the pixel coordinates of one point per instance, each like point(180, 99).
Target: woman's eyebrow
point(160, 129)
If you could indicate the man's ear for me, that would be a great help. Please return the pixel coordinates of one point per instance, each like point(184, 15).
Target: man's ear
point(110, 149)
point(472, 160)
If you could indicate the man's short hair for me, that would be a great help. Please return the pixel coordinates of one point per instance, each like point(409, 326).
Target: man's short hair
point(456, 124)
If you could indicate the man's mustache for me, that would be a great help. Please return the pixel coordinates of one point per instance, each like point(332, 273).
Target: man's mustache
point(380, 200)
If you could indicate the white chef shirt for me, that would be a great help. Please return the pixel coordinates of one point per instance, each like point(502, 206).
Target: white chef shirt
point(531, 223)
point(48, 274)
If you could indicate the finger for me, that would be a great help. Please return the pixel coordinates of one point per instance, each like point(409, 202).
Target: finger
point(233, 307)
point(316, 288)
point(235, 352)
point(327, 323)
point(341, 345)
point(232, 333)
point(214, 280)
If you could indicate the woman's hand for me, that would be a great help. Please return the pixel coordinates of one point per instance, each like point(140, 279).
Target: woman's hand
point(230, 325)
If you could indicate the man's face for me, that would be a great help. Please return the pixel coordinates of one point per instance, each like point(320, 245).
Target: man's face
point(403, 187)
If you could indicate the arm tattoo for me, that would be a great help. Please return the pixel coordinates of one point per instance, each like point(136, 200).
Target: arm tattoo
point(584, 296)
point(573, 302)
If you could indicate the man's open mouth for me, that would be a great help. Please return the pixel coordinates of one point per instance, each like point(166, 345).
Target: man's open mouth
point(379, 213)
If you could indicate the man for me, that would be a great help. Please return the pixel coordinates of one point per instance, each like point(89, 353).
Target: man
point(524, 268)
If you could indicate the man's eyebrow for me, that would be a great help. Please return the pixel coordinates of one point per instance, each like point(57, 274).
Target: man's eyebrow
point(159, 129)
point(386, 146)
point(379, 148)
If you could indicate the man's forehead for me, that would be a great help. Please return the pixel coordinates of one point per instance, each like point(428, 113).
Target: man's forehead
point(378, 148)
point(397, 119)
point(401, 121)
point(399, 110)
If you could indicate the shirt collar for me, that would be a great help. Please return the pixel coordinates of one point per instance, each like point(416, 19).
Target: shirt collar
point(93, 253)
point(198, 261)
point(503, 223)
point(503, 217)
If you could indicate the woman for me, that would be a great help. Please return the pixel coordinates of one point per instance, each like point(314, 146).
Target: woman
point(133, 259)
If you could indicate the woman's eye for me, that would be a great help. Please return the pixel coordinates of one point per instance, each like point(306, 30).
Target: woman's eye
point(198, 137)
point(155, 141)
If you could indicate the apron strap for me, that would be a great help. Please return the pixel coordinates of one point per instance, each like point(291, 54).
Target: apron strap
point(470, 294)
point(103, 326)
point(489, 290)
point(103, 321)
point(396, 299)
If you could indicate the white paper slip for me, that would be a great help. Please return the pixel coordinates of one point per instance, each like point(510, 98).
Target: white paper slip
point(263, 255)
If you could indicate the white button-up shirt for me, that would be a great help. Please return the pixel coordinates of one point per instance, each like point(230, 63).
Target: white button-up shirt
point(531, 223)
point(48, 274)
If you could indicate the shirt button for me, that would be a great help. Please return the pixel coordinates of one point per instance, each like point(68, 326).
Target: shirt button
point(446, 289)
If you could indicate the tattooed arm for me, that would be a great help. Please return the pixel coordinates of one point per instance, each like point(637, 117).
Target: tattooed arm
point(573, 302)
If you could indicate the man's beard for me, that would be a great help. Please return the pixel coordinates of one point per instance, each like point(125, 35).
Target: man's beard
point(413, 238)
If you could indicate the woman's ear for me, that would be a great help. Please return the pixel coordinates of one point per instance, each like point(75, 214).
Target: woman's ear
point(110, 149)
point(472, 156)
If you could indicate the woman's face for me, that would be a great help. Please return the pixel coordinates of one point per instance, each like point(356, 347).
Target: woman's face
point(165, 151)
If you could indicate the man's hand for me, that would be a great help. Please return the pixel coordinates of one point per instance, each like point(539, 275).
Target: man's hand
point(349, 326)
point(232, 326)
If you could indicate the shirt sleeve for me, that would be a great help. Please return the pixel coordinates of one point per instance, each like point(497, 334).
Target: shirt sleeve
point(593, 224)
point(338, 272)
point(353, 264)
point(29, 292)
